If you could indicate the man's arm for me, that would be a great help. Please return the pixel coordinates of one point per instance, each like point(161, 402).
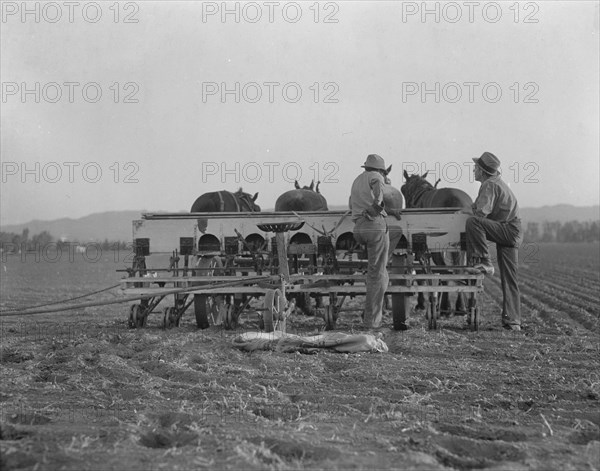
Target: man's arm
point(376, 184)
point(484, 204)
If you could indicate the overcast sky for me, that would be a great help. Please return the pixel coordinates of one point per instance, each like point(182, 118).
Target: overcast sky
point(147, 105)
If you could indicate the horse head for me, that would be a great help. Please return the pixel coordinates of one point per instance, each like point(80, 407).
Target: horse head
point(414, 187)
point(247, 201)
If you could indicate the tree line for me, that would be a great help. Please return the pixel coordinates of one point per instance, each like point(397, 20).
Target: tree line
point(555, 231)
point(13, 243)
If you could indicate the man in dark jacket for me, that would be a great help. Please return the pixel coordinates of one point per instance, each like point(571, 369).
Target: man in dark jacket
point(496, 218)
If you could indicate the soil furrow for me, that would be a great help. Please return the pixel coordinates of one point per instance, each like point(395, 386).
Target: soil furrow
point(557, 308)
point(584, 283)
point(575, 301)
point(570, 286)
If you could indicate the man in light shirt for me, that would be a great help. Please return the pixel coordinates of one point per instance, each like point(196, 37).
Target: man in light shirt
point(496, 218)
point(370, 228)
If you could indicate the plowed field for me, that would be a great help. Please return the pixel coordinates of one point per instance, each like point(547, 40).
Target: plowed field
point(79, 390)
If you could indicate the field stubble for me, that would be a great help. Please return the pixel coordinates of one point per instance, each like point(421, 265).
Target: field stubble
point(81, 391)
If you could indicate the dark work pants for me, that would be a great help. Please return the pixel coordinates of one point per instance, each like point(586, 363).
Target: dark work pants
point(507, 237)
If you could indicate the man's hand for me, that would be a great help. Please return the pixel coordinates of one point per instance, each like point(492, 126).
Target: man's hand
point(370, 213)
point(373, 211)
point(394, 212)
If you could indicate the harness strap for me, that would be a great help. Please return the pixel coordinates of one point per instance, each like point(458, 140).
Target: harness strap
point(238, 208)
point(237, 204)
point(221, 202)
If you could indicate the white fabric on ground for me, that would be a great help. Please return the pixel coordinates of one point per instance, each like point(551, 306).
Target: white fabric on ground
point(337, 341)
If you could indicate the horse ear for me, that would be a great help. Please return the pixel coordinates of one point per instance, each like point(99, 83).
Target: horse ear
point(317, 189)
point(255, 196)
point(312, 185)
point(388, 170)
point(425, 174)
point(406, 175)
point(296, 184)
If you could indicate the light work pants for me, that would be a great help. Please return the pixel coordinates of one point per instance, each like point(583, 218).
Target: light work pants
point(374, 235)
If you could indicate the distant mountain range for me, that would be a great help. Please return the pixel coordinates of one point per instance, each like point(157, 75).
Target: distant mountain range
point(113, 225)
point(116, 225)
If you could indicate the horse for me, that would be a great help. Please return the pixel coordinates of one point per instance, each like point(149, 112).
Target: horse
point(392, 197)
point(307, 198)
point(225, 201)
point(302, 199)
point(216, 202)
point(419, 193)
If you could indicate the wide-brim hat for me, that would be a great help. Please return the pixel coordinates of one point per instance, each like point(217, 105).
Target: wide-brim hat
point(488, 162)
point(374, 161)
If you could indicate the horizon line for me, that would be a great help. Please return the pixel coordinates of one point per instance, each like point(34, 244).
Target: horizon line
point(142, 211)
